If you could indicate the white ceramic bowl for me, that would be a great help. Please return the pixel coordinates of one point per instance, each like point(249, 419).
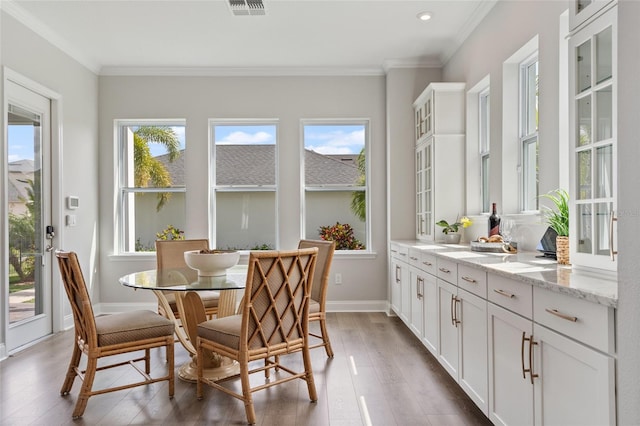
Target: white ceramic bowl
point(211, 264)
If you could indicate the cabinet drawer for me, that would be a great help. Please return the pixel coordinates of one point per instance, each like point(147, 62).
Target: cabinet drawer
point(400, 252)
point(473, 280)
point(513, 295)
point(414, 257)
point(428, 263)
point(579, 319)
point(447, 270)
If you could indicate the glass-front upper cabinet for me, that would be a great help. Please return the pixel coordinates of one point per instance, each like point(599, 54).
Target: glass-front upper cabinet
point(581, 10)
point(593, 143)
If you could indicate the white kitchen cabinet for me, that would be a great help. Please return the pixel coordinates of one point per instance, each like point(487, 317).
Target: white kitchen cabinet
point(575, 385)
point(462, 348)
point(430, 313)
point(416, 320)
point(593, 141)
point(582, 10)
point(510, 391)
point(439, 156)
point(399, 281)
point(538, 375)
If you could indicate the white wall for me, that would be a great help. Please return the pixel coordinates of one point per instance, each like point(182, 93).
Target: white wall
point(30, 55)
point(289, 99)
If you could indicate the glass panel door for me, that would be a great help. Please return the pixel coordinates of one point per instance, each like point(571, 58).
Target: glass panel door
point(29, 271)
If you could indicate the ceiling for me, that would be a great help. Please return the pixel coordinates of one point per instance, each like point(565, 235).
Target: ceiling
point(294, 36)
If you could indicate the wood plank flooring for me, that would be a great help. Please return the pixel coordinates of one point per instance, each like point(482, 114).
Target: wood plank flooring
point(381, 375)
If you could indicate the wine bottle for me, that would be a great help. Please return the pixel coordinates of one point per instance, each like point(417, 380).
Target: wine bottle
point(494, 221)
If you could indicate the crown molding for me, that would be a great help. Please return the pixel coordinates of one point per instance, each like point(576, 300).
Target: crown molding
point(476, 17)
point(44, 31)
point(410, 63)
point(240, 71)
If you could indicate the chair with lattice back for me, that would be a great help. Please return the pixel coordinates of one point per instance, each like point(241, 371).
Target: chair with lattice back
point(104, 336)
point(318, 302)
point(170, 255)
point(274, 321)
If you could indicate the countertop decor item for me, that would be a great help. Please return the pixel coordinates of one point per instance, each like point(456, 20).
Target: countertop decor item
point(558, 220)
point(450, 230)
point(211, 263)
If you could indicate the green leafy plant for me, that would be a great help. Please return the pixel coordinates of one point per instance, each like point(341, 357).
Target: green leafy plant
point(343, 236)
point(170, 233)
point(465, 222)
point(557, 219)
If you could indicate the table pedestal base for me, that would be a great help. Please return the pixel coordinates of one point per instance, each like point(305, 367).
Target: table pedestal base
point(189, 371)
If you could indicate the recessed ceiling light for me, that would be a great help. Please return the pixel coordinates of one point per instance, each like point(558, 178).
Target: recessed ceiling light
point(424, 16)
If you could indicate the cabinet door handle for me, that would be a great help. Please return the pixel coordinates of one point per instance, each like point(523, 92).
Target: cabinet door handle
point(469, 280)
point(504, 293)
point(529, 370)
point(454, 311)
point(561, 315)
point(397, 270)
point(612, 252)
point(420, 287)
point(445, 270)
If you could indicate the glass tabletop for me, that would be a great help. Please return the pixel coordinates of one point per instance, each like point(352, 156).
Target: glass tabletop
point(185, 279)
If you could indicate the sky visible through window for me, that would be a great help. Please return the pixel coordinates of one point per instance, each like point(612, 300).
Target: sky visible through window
point(323, 139)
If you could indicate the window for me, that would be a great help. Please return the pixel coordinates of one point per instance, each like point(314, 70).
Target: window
point(244, 184)
point(529, 133)
point(151, 183)
point(335, 182)
point(484, 145)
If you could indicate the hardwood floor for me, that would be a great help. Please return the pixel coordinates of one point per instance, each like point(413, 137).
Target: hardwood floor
point(380, 375)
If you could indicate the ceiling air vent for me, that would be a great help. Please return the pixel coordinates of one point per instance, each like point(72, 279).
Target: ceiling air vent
point(246, 7)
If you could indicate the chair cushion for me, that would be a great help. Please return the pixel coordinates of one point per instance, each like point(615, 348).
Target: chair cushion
point(314, 307)
point(225, 331)
point(131, 326)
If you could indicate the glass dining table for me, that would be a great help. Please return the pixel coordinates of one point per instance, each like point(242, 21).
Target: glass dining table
point(181, 281)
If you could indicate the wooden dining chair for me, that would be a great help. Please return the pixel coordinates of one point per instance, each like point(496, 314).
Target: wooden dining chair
point(170, 254)
point(317, 304)
point(274, 321)
point(104, 336)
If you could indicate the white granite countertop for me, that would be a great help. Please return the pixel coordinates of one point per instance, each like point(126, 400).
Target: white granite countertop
point(526, 267)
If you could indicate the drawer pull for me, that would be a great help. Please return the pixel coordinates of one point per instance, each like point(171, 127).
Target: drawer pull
point(469, 279)
point(413, 258)
point(561, 315)
point(504, 293)
point(427, 263)
point(394, 251)
point(403, 254)
point(445, 270)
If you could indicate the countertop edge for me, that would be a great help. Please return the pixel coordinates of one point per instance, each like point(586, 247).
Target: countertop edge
point(606, 297)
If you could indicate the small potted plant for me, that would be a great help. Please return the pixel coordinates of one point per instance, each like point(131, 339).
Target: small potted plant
point(558, 220)
point(451, 235)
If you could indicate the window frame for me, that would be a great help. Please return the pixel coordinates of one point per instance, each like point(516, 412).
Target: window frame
point(484, 146)
point(529, 197)
point(366, 123)
point(214, 188)
point(123, 164)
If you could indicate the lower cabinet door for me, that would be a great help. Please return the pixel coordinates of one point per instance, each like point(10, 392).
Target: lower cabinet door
point(448, 325)
point(472, 374)
point(430, 315)
point(510, 388)
point(575, 384)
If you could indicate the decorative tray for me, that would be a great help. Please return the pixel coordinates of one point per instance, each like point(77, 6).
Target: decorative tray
point(492, 247)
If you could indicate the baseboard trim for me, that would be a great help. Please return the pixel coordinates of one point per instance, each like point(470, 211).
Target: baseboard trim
point(332, 306)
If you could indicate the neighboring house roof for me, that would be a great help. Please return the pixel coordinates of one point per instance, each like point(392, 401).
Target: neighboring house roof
point(20, 172)
point(254, 165)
